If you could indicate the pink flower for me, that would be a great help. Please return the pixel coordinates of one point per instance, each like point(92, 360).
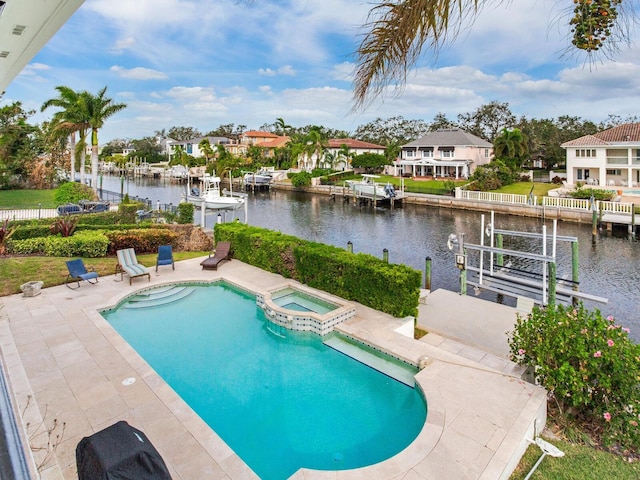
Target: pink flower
point(610, 318)
point(522, 351)
point(597, 354)
point(634, 423)
point(583, 331)
point(610, 342)
point(626, 330)
point(607, 416)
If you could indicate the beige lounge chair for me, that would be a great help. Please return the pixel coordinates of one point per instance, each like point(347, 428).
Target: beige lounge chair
point(222, 253)
point(128, 263)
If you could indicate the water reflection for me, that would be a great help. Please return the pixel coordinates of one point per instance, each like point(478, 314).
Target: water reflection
point(413, 232)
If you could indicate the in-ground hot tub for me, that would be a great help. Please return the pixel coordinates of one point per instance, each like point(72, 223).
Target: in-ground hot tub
point(297, 307)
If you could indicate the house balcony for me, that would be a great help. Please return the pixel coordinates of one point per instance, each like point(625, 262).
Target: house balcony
point(618, 160)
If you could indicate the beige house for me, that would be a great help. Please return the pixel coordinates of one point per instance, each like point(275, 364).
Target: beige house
point(449, 152)
point(608, 158)
point(334, 157)
point(269, 141)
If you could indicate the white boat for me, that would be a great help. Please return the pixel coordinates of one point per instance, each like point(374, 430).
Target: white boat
point(367, 187)
point(261, 177)
point(179, 172)
point(211, 197)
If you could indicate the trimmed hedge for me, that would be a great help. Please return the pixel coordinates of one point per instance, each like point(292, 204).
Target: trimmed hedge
point(82, 244)
point(143, 240)
point(366, 279)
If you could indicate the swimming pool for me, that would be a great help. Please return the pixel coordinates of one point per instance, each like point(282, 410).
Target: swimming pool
point(280, 403)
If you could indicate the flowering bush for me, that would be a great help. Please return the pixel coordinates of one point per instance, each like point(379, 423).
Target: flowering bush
point(589, 365)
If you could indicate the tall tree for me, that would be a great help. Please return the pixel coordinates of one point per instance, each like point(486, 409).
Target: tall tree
point(98, 108)
point(487, 120)
point(17, 145)
point(398, 32)
point(206, 149)
point(281, 126)
point(71, 119)
point(391, 130)
point(511, 147)
point(182, 134)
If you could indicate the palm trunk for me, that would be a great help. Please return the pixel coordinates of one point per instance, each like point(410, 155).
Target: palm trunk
point(72, 146)
point(94, 160)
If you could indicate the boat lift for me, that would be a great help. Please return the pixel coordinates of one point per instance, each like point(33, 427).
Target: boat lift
point(540, 283)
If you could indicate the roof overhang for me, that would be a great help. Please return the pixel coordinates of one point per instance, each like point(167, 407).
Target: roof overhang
point(25, 27)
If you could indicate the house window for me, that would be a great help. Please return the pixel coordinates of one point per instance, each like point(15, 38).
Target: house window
point(410, 153)
point(616, 172)
point(189, 148)
point(579, 174)
point(446, 152)
point(486, 153)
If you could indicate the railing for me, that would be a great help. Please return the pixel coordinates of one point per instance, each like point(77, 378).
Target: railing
point(495, 197)
point(615, 207)
point(617, 160)
point(569, 203)
point(28, 213)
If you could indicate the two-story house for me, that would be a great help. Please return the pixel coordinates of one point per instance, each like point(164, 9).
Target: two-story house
point(609, 158)
point(448, 152)
point(192, 146)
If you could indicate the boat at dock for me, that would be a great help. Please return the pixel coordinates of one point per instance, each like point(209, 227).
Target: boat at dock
point(261, 177)
point(209, 196)
point(369, 188)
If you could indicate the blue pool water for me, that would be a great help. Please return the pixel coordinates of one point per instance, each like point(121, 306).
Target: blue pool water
point(293, 299)
point(280, 403)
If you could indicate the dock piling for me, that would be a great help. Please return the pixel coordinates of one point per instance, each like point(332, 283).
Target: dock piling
point(385, 255)
point(427, 273)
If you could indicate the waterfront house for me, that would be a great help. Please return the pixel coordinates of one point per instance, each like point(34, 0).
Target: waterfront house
point(337, 154)
point(192, 146)
point(447, 152)
point(266, 140)
point(608, 158)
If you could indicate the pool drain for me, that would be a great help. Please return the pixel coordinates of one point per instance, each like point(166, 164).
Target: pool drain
point(128, 381)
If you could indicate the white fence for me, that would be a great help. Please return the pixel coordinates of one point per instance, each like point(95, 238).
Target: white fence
point(570, 203)
point(28, 214)
point(495, 197)
point(615, 207)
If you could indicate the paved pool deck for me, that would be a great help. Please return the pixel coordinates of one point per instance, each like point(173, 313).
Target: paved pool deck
point(66, 364)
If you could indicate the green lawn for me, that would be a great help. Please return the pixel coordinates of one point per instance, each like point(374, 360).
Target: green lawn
point(523, 188)
point(53, 271)
point(26, 199)
point(579, 463)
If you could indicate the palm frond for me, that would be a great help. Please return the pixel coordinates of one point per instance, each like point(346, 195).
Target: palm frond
point(397, 33)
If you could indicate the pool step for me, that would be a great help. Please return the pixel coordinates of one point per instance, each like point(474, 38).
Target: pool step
point(157, 297)
point(391, 367)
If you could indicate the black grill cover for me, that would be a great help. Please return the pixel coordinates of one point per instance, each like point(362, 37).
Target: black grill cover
point(119, 452)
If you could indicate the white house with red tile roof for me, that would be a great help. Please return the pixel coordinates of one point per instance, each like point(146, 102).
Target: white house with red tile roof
point(333, 155)
point(448, 152)
point(607, 158)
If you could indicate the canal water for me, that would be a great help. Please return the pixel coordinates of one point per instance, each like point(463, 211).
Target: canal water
point(610, 269)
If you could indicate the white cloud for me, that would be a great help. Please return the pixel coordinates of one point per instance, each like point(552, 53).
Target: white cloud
point(138, 73)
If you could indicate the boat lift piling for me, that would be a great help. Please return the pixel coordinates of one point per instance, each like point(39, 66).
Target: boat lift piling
point(515, 281)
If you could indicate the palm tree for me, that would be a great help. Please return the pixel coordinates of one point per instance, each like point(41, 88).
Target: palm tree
point(511, 146)
point(281, 126)
point(68, 121)
point(398, 32)
point(206, 149)
point(314, 145)
point(98, 108)
point(344, 152)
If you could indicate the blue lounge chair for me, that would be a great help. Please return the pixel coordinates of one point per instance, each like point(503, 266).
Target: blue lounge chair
point(165, 256)
point(78, 271)
point(128, 263)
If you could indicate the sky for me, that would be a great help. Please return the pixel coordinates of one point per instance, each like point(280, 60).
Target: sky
point(205, 63)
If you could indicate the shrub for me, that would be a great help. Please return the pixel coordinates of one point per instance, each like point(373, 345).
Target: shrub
point(393, 289)
point(143, 240)
point(185, 212)
point(6, 232)
point(596, 193)
point(302, 179)
point(557, 180)
point(589, 365)
point(82, 244)
point(72, 192)
point(64, 226)
point(491, 176)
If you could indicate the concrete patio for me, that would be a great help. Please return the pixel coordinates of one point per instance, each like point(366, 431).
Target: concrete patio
point(66, 364)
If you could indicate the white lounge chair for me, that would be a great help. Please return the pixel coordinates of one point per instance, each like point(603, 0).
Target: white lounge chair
point(128, 263)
